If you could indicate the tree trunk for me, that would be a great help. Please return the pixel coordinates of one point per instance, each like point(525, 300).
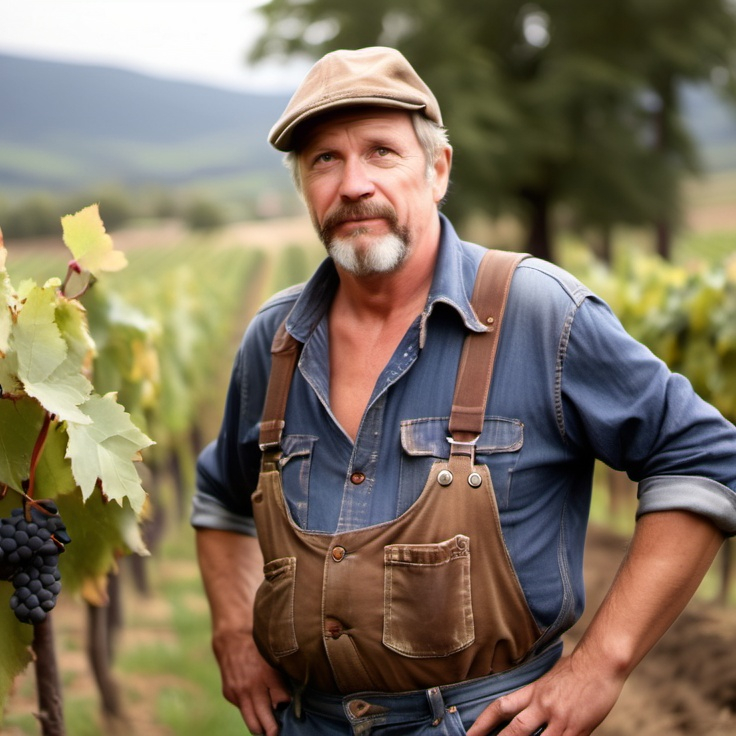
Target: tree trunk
point(663, 240)
point(48, 686)
point(606, 245)
point(98, 651)
point(662, 142)
point(539, 242)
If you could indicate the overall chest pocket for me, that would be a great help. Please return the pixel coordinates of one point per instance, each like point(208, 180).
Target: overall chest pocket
point(427, 601)
point(425, 440)
point(296, 466)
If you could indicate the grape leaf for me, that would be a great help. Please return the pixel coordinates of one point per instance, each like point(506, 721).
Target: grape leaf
point(46, 368)
point(9, 384)
point(100, 533)
point(91, 246)
point(16, 638)
point(71, 320)
point(104, 449)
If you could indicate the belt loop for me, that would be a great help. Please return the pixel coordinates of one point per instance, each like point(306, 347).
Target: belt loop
point(436, 705)
point(467, 448)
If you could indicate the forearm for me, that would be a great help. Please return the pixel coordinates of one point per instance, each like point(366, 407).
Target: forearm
point(231, 566)
point(668, 557)
point(669, 554)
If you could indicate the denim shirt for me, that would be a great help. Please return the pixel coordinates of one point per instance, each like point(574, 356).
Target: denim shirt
point(569, 386)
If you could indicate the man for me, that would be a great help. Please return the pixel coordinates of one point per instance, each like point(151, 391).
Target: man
point(422, 531)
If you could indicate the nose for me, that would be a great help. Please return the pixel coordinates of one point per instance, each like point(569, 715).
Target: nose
point(356, 183)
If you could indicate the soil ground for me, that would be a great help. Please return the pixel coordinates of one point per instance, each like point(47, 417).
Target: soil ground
point(686, 686)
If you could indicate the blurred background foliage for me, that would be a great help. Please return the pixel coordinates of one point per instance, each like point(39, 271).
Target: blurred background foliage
point(556, 104)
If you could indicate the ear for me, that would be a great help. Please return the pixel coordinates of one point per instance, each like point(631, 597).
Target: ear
point(442, 167)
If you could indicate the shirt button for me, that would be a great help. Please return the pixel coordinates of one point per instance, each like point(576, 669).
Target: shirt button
point(338, 553)
point(357, 478)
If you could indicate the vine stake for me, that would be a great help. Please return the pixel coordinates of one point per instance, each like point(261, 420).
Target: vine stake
point(50, 714)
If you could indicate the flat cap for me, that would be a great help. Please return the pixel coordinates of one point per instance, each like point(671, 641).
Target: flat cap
point(377, 76)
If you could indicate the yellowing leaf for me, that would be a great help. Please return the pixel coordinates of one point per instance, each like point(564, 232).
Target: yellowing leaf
point(91, 246)
point(105, 449)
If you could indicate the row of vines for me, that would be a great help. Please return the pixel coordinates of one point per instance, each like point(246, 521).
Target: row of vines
point(115, 360)
point(685, 312)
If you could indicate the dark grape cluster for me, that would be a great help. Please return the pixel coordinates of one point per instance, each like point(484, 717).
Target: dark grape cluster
point(31, 540)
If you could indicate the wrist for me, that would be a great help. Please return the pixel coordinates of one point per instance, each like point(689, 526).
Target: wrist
point(610, 657)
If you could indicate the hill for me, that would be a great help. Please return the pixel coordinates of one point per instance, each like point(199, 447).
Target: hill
point(71, 126)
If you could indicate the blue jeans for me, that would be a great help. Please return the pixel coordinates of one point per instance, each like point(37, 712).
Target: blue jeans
point(448, 710)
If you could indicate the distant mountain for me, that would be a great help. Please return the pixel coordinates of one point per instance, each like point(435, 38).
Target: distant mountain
point(71, 126)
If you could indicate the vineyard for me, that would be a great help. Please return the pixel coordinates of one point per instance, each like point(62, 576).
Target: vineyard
point(130, 630)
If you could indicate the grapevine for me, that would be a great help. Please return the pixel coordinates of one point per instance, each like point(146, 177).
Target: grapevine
point(67, 458)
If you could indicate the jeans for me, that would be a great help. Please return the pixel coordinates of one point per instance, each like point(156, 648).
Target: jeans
point(448, 710)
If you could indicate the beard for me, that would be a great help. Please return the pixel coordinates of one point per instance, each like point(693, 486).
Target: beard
point(385, 254)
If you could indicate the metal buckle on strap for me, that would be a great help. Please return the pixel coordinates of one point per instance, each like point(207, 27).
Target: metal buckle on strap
point(464, 448)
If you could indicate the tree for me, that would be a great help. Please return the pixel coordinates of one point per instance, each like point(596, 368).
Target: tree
point(559, 103)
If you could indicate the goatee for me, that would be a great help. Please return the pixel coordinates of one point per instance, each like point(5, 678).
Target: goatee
point(385, 253)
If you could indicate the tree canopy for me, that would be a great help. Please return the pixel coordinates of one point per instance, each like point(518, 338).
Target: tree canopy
point(556, 105)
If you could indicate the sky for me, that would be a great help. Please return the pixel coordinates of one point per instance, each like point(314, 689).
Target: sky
point(194, 40)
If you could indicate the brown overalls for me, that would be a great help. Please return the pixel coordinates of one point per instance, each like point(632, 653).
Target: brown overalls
point(427, 599)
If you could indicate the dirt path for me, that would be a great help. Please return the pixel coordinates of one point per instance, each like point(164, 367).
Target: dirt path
point(686, 686)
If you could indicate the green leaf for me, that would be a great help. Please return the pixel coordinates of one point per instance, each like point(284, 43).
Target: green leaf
point(100, 533)
point(104, 449)
point(71, 320)
point(20, 422)
point(9, 384)
point(16, 638)
point(46, 367)
point(91, 246)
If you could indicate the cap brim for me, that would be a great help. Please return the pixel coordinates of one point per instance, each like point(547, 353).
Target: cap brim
point(281, 136)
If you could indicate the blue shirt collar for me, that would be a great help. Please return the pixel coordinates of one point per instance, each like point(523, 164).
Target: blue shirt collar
point(452, 284)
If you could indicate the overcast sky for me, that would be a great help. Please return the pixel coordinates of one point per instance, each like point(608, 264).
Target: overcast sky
point(198, 40)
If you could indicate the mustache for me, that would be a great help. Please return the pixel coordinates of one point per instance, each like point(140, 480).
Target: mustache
point(347, 212)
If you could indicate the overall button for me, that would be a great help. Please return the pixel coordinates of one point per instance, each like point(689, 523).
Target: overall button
point(338, 553)
point(475, 480)
point(444, 477)
point(333, 628)
point(357, 478)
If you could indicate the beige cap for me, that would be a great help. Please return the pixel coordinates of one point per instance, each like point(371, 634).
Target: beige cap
point(376, 75)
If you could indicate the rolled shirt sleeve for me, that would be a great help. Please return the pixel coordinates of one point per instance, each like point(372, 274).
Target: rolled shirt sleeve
point(624, 404)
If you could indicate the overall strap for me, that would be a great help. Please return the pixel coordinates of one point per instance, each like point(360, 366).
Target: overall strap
point(491, 290)
point(490, 293)
point(284, 356)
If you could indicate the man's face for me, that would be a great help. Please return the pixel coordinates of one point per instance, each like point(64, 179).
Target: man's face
point(364, 179)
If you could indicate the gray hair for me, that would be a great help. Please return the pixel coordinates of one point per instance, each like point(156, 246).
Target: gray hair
point(432, 138)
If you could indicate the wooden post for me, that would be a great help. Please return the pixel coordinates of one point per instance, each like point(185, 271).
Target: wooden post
point(48, 685)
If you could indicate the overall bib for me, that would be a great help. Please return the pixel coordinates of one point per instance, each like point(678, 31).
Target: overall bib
point(428, 599)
